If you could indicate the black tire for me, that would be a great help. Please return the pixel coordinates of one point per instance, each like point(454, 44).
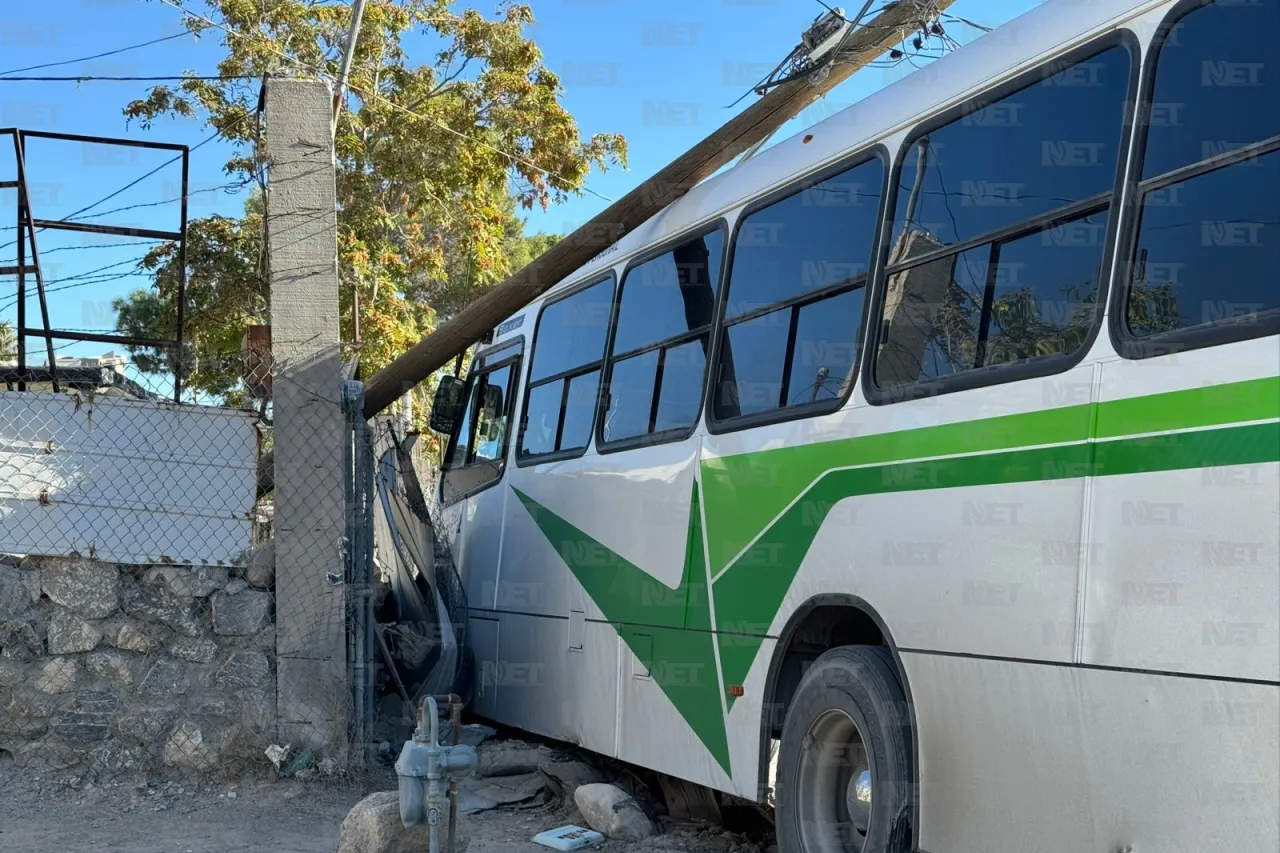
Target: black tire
point(861, 682)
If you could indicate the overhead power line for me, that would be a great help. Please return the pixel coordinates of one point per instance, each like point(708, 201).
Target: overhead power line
point(92, 78)
point(94, 56)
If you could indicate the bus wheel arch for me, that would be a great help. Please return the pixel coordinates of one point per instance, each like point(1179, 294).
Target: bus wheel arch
point(820, 624)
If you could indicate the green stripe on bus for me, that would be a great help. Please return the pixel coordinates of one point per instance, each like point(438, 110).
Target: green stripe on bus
point(749, 593)
point(744, 493)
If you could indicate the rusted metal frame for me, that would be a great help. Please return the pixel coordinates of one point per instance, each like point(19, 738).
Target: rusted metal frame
point(179, 353)
point(24, 218)
point(31, 225)
point(127, 340)
point(95, 228)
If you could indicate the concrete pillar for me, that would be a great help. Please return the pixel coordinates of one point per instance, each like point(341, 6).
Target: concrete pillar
point(311, 693)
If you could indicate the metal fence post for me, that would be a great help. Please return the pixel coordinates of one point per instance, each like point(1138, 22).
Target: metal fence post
point(358, 500)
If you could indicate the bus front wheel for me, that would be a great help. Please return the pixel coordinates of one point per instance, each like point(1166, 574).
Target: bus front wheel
point(844, 767)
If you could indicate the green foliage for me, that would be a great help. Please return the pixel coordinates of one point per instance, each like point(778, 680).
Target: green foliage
point(433, 163)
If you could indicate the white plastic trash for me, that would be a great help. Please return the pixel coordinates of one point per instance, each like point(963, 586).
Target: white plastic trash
point(567, 838)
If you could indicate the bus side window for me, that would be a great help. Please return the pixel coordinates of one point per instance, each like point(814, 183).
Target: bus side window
point(1000, 226)
point(665, 309)
point(564, 378)
point(793, 305)
point(1203, 264)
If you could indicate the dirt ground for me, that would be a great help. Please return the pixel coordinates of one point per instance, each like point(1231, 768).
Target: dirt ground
point(47, 814)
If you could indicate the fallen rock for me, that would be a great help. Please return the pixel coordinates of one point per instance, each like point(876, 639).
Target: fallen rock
point(373, 826)
point(69, 634)
point(241, 614)
point(88, 587)
point(608, 809)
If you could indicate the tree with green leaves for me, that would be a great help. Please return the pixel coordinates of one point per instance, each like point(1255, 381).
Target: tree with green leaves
point(434, 160)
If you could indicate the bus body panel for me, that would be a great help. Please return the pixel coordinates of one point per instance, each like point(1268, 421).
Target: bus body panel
point(1059, 759)
point(1015, 540)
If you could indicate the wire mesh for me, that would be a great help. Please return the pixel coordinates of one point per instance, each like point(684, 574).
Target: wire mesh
point(139, 600)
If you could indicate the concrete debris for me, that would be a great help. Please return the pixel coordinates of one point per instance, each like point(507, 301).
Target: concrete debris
point(608, 809)
point(477, 795)
point(509, 758)
point(565, 774)
point(373, 826)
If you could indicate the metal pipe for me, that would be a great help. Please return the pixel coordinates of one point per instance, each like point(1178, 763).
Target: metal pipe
point(35, 260)
point(22, 276)
point(180, 362)
point(349, 54)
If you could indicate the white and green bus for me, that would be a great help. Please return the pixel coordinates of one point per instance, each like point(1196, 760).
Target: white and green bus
point(922, 471)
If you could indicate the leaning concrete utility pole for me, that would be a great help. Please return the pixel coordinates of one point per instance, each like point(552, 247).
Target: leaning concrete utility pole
point(739, 134)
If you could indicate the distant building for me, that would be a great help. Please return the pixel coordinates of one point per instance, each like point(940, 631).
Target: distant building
point(104, 374)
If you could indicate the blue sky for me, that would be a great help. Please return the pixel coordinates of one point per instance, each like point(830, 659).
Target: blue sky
point(661, 72)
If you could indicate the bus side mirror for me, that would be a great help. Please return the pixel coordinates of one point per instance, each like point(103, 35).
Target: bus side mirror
point(446, 405)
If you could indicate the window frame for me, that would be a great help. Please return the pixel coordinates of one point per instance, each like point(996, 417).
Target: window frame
point(720, 426)
point(566, 376)
point(1228, 330)
point(1113, 201)
point(479, 367)
point(668, 436)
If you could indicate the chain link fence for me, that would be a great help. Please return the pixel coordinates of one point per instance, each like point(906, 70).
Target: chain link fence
point(138, 603)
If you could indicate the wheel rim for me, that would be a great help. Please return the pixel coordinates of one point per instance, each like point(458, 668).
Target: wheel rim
point(834, 786)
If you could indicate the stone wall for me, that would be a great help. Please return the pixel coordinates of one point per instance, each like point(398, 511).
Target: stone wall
point(113, 669)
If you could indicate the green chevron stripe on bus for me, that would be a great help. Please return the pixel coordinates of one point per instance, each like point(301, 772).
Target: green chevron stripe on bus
point(667, 629)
